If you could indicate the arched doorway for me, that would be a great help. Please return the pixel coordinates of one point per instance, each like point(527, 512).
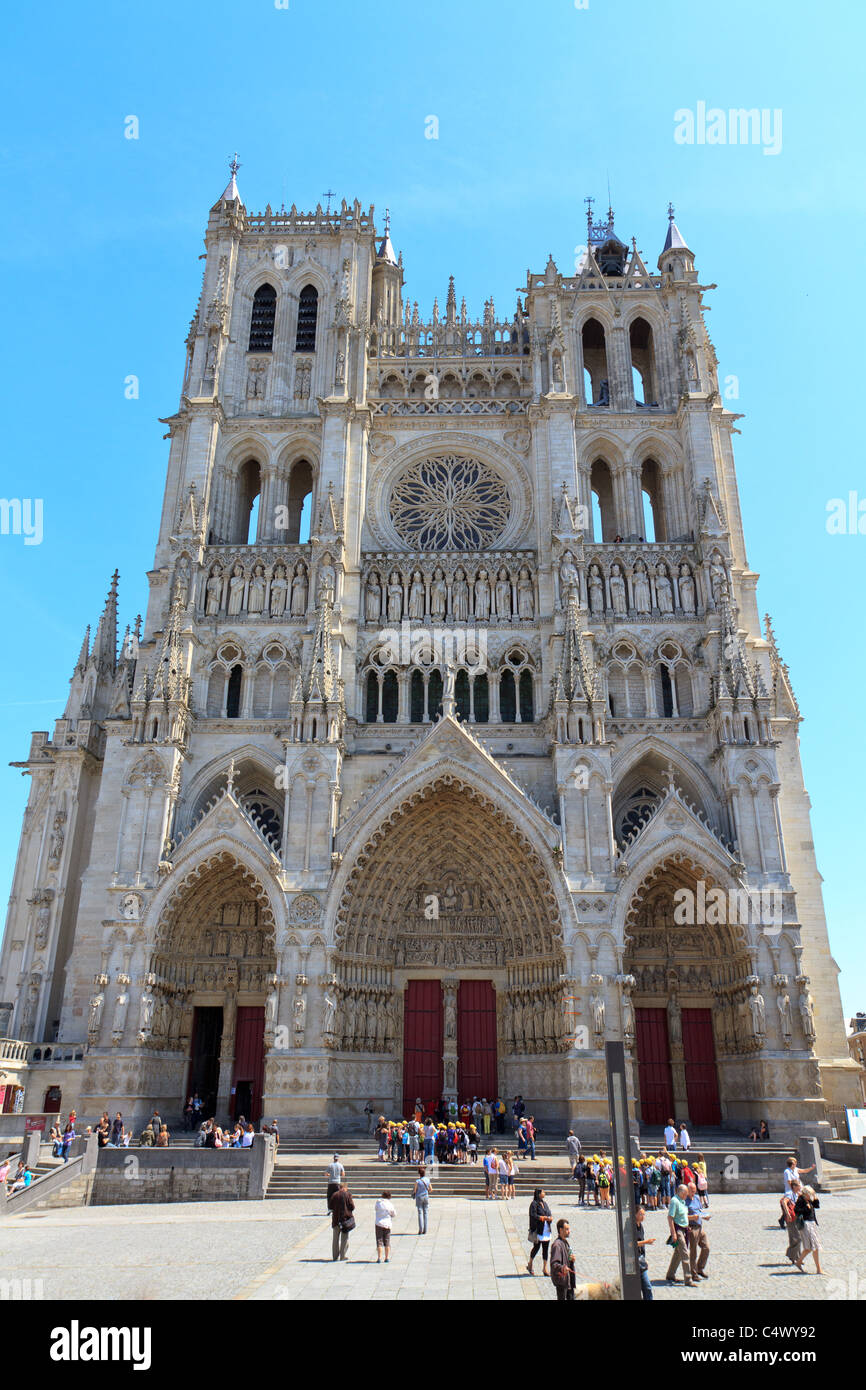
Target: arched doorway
point(449, 953)
point(212, 969)
point(691, 967)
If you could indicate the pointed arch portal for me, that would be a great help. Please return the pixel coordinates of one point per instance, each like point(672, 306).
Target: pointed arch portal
point(449, 919)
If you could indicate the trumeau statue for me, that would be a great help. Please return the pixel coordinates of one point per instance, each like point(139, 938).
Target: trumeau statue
point(756, 1008)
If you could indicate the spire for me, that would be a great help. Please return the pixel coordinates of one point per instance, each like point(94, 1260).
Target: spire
point(85, 651)
point(230, 193)
point(168, 675)
point(674, 241)
point(577, 673)
point(785, 704)
point(321, 680)
point(386, 250)
point(451, 305)
point(104, 653)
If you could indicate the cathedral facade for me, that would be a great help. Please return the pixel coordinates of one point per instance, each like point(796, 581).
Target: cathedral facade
point(452, 745)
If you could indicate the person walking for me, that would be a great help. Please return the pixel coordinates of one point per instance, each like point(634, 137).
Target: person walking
point(572, 1147)
point(421, 1193)
point(529, 1126)
point(335, 1173)
point(685, 1141)
point(562, 1263)
point(540, 1218)
point(805, 1207)
point(697, 1235)
point(699, 1168)
point(789, 1221)
point(491, 1173)
point(385, 1213)
point(342, 1221)
point(580, 1175)
point(678, 1224)
point(642, 1240)
point(792, 1172)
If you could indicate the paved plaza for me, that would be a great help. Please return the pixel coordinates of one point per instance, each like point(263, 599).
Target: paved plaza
point(474, 1250)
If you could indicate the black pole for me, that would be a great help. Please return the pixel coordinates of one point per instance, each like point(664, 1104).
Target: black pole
point(617, 1098)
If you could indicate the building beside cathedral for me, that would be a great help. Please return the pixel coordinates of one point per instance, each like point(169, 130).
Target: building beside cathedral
point(452, 744)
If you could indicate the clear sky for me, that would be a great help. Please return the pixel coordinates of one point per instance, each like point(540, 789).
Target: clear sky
point(538, 105)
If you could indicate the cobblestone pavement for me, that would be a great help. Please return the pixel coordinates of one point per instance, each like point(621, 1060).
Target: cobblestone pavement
point(474, 1249)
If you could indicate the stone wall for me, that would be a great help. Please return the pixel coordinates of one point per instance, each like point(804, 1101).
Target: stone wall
point(124, 1176)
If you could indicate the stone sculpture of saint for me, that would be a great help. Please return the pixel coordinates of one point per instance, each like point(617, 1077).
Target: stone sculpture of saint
point(687, 590)
point(214, 589)
point(395, 598)
point(807, 1014)
point(718, 583)
point(417, 597)
point(373, 598)
point(568, 577)
point(641, 588)
point(299, 1008)
point(279, 592)
point(756, 1009)
point(482, 597)
point(596, 590)
point(327, 582)
point(664, 591)
point(503, 594)
point(460, 596)
point(236, 591)
point(438, 595)
point(120, 1008)
point(300, 589)
point(783, 1004)
point(525, 596)
point(450, 1017)
point(94, 1018)
point(329, 1016)
point(617, 590)
point(256, 600)
point(596, 1005)
point(675, 1022)
point(145, 1017)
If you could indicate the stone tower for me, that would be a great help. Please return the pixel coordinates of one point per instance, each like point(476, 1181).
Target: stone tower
point(452, 745)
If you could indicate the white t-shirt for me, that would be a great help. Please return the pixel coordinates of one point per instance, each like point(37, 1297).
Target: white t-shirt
point(670, 1135)
point(503, 1168)
point(788, 1176)
point(385, 1212)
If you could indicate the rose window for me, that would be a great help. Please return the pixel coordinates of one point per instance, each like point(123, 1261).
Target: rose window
point(450, 503)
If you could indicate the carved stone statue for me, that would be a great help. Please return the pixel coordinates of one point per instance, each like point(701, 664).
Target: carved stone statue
point(807, 1014)
point(145, 1015)
point(617, 590)
point(329, 1016)
point(569, 581)
point(300, 589)
point(448, 688)
point(482, 597)
point(718, 582)
point(417, 598)
point(214, 589)
point(664, 591)
point(596, 590)
point(450, 1074)
point(57, 837)
point(94, 1017)
point(271, 1006)
point(755, 1004)
point(121, 1005)
point(279, 592)
point(236, 591)
point(395, 598)
point(628, 1023)
point(783, 1004)
point(596, 1009)
point(503, 594)
point(525, 595)
point(450, 1015)
point(438, 595)
point(460, 596)
point(687, 589)
point(327, 580)
point(675, 1022)
point(299, 1009)
point(373, 598)
point(640, 588)
point(256, 600)
point(43, 923)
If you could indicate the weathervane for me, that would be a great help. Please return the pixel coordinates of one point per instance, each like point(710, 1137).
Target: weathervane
point(670, 212)
point(234, 165)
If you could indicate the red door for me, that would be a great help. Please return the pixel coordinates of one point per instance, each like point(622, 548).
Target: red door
point(699, 1051)
point(422, 1043)
point(476, 1040)
point(249, 1072)
point(654, 1066)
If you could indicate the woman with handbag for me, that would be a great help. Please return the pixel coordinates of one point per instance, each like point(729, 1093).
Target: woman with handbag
point(804, 1208)
point(342, 1221)
point(540, 1220)
point(421, 1192)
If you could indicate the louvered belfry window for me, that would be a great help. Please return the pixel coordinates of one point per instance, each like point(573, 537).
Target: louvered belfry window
point(308, 310)
point(262, 319)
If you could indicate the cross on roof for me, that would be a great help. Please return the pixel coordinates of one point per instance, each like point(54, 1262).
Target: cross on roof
point(329, 194)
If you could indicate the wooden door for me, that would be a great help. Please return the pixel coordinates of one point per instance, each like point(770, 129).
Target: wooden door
point(702, 1082)
point(422, 1043)
point(654, 1066)
point(476, 1040)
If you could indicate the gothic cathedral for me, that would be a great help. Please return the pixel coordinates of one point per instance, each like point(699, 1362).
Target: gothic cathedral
point(452, 744)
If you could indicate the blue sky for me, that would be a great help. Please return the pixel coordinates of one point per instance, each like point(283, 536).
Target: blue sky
point(538, 105)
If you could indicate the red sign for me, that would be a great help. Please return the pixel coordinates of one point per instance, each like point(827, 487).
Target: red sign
point(33, 1126)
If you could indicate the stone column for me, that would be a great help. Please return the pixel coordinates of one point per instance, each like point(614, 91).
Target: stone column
point(227, 1052)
